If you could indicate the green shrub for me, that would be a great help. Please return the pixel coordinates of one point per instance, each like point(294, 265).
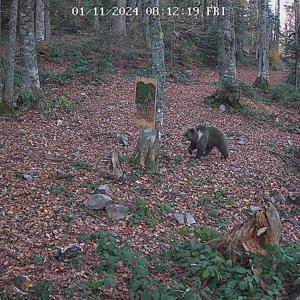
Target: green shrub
point(79, 164)
point(29, 100)
point(285, 95)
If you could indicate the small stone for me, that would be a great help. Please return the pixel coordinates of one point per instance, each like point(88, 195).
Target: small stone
point(188, 72)
point(116, 211)
point(59, 122)
point(222, 108)
point(98, 201)
point(241, 142)
point(104, 189)
point(26, 176)
point(21, 132)
point(64, 175)
point(179, 218)
point(290, 142)
point(123, 139)
point(190, 219)
point(254, 208)
point(68, 252)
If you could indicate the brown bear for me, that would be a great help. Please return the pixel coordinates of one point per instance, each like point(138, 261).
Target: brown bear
point(204, 138)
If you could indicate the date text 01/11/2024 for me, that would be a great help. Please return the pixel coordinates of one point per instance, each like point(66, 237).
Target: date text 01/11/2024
point(155, 11)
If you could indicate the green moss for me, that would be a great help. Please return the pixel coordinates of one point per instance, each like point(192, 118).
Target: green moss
point(4, 110)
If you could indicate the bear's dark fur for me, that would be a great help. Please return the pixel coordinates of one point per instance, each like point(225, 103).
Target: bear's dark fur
point(205, 138)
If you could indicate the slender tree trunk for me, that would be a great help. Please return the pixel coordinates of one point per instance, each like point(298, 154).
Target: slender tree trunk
point(39, 20)
point(30, 76)
point(47, 25)
point(119, 22)
point(262, 80)
point(147, 148)
point(9, 80)
point(228, 92)
point(96, 24)
point(277, 29)
point(1, 61)
point(297, 31)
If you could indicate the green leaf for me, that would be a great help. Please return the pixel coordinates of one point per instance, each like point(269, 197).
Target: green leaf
point(243, 285)
point(240, 270)
point(206, 273)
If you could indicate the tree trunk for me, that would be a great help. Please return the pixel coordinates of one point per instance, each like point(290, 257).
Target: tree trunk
point(39, 20)
point(1, 61)
point(147, 148)
point(96, 23)
point(261, 229)
point(228, 91)
point(47, 25)
point(262, 80)
point(297, 31)
point(277, 27)
point(119, 22)
point(9, 80)
point(30, 76)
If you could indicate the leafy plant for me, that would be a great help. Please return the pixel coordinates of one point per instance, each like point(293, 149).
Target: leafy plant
point(166, 208)
point(56, 191)
point(141, 211)
point(89, 184)
point(37, 259)
point(79, 164)
point(43, 289)
point(29, 100)
point(62, 102)
point(76, 263)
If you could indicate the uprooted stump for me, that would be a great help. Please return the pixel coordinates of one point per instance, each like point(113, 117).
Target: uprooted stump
point(261, 229)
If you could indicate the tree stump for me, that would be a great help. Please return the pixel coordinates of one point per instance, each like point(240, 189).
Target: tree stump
point(147, 148)
point(261, 229)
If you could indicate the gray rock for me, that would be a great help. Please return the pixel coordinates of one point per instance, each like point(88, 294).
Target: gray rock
point(282, 199)
point(254, 208)
point(27, 177)
point(241, 142)
point(123, 139)
point(116, 211)
point(68, 252)
point(188, 72)
point(179, 218)
point(190, 219)
point(104, 189)
point(98, 201)
point(21, 132)
point(222, 108)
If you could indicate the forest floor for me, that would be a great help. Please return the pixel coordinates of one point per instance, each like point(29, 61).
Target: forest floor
point(45, 212)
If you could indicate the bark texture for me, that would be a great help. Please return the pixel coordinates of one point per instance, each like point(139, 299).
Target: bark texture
point(261, 229)
point(147, 148)
point(10, 65)
point(227, 63)
point(277, 28)
point(119, 22)
point(47, 20)
point(262, 80)
point(96, 23)
point(228, 91)
point(39, 20)
point(1, 61)
point(297, 31)
point(30, 77)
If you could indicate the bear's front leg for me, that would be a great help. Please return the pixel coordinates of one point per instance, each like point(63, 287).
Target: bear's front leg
point(200, 152)
point(192, 147)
